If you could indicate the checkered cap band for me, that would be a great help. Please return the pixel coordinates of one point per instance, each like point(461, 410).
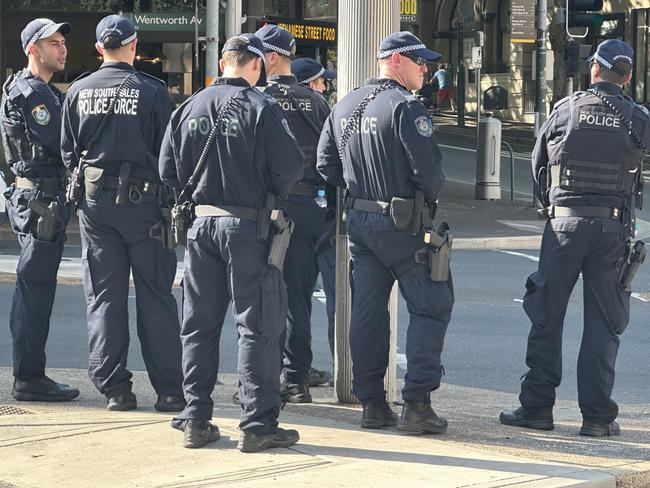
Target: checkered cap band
point(624, 58)
point(37, 35)
point(603, 61)
point(316, 76)
point(271, 47)
point(400, 50)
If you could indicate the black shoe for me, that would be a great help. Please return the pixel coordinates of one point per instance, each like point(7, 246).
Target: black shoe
point(42, 389)
point(197, 433)
point(377, 414)
point(419, 418)
point(122, 403)
point(316, 377)
point(249, 442)
point(295, 393)
point(170, 403)
point(599, 429)
point(521, 417)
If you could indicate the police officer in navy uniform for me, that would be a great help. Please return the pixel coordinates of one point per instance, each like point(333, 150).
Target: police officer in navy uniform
point(311, 73)
point(113, 124)
point(585, 164)
point(306, 111)
point(31, 130)
point(253, 153)
point(391, 151)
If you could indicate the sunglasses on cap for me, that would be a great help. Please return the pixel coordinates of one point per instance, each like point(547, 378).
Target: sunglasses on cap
point(416, 59)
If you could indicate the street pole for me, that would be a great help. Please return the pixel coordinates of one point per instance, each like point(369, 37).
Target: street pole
point(358, 41)
point(233, 18)
point(540, 65)
point(460, 93)
point(212, 40)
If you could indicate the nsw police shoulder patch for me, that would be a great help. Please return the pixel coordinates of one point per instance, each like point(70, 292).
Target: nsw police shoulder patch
point(41, 114)
point(424, 126)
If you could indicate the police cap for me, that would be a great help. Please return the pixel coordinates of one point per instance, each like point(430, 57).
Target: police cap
point(611, 52)
point(405, 43)
point(248, 42)
point(41, 29)
point(307, 69)
point(119, 28)
point(275, 38)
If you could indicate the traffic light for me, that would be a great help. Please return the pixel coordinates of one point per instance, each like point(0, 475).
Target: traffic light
point(585, 13)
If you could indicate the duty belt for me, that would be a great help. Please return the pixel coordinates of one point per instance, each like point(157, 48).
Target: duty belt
point(613, 213)
point(46, 185)
point(301, 188)
point(245, 213)
point(142, 186)
point(373, 206)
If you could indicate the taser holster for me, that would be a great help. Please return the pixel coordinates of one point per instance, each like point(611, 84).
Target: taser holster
point(438, 244)
point(283, 228)
point(75, 191)
point(181, 217)
point(48, 223)
point(122, 194)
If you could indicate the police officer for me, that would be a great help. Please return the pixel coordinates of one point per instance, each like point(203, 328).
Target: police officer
point(311, 73)
point(31, 131)
point(113, 124)
point(379, 144)
point(251, 153)
point(586, 165)
point(306, 111)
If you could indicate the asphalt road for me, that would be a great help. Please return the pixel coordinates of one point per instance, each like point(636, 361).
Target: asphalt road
point(485, 345)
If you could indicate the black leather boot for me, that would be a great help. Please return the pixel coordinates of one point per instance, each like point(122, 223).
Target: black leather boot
point(520, 417)
point(122, 403)
point(377, 414)
point(42, 389)
point(170, 403)
point(419, 418)
point(197, 433)
point(592, 428)
point(249, 442)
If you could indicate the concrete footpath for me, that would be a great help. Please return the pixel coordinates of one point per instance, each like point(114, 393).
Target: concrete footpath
point(80, 444)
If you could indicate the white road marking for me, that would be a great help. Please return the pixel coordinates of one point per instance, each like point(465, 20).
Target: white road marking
point(518, 300)
point(400, 360)
point(521, 254)
point(320, 296)
point(639, 297)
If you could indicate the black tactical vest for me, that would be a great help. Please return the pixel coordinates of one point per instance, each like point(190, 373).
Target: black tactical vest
point(597, 153)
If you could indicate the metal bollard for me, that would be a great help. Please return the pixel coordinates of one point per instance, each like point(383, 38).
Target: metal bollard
point(488, 160)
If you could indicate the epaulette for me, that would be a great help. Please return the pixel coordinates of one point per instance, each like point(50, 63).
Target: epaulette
point(152, 77)
point(407, 94)
point(265, 96)
point(641, 108)
point(25, 86)
point(81, 76)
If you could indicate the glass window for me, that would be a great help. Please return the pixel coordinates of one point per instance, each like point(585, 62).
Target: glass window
point(79, 5)
point(319, 10)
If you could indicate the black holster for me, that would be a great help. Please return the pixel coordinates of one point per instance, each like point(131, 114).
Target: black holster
point(163, 230)
point(439, 252)
point(635, 257)
point(181, 219)
point(264, 217)
point(409, 214)
point(75, 190)
point(49, 223)
point(122, 194)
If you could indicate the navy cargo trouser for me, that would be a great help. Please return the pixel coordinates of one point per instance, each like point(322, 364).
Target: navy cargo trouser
point(572, 245)
point(326, 259)
point(300, 273)
point(377, 248)
point(115, 242)
point(38, 265)
point(224, 261)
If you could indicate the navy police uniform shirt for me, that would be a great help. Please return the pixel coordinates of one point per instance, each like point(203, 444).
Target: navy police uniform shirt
point(254, 151)
point(31, 102)
point(554, 130)
point(134, 131)
point(313, 105)
point(393, 153)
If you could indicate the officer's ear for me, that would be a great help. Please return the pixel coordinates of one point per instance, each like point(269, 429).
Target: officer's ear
point(99, 48)
point(395, 59)
point(34, 49)
point(222, 64)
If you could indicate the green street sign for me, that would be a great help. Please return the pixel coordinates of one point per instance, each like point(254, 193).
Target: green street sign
point(177, 22)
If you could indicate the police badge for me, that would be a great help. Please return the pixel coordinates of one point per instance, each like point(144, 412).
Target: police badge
point(424, 126)
point(41, 114)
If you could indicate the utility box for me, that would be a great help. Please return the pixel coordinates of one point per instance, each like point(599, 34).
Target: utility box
point(488, 160)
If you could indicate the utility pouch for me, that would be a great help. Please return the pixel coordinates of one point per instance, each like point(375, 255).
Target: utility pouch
point(93, 181)
point(163, 230)
point(439, 246)
point(401, 213)
point(283, 228)
point(122, 195)
point(631, 265)
point(181, 218)
point(48, 223)
point(74, 192)
point(418, 210)
point(264, 217)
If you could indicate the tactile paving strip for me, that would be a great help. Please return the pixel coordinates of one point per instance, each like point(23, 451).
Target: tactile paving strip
point(9, 410)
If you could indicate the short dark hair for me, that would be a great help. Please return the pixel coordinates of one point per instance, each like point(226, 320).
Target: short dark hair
point(617, 74)
point(238, 57)
point(112, 42)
